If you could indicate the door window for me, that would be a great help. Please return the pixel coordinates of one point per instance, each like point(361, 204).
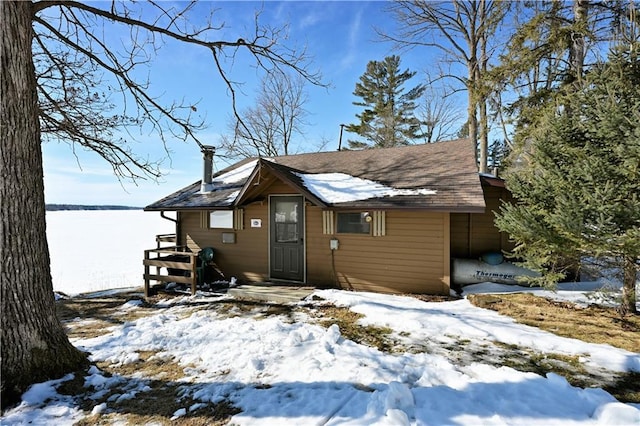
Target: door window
point(286, 221)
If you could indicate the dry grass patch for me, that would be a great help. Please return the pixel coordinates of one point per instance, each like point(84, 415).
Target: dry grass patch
point(625, 388)
point(435, 297)
point(158, 407)
point(594, 324)
point(521, 359)
point(69, 309)
point(155, 405)
point(148, 366)
point(378, 337)
point(214, 415)
point(241, 308)
point(87, 329)
point(104, 313)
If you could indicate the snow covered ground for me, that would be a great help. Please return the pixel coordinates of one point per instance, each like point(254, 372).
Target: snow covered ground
point(280, 370)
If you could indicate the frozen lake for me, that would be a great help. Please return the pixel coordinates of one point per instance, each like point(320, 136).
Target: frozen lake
point(95, 250)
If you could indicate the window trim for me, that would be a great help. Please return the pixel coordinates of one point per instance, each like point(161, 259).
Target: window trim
point(379, 223)
point(328, 222)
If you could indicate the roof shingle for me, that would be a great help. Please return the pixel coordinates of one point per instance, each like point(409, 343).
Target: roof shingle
point(449, 168)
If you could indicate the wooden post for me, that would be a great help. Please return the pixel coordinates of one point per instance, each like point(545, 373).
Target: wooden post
point(194, 276)
point(146, 274)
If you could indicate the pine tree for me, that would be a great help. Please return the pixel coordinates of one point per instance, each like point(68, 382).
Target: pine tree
point(577, 179)
point(387, 119)
point(551, 49)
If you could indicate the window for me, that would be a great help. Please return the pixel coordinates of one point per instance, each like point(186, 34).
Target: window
point(221, 219)
point(286, 221)
point(354, 223)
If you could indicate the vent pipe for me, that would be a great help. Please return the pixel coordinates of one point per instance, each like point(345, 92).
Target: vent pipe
point(207, 168)
point(340, 141)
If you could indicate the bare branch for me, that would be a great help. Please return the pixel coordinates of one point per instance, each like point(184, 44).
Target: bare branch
point(461, 30)
point(75, 31)
point(271, 124)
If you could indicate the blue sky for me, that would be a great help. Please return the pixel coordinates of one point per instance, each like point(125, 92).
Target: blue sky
point(340, 37)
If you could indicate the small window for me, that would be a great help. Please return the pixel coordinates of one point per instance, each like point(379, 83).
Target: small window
point(354, 223)
point(221, 219)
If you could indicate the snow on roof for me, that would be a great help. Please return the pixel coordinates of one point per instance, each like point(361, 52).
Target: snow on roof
point(341, 188)
point(235, 175)
point(232, 197)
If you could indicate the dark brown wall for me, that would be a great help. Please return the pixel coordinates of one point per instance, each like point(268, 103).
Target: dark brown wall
point(474, 234)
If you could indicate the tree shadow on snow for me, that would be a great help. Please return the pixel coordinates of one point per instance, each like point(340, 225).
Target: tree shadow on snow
point(529, 398)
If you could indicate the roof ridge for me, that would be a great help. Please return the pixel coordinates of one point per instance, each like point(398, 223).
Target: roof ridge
point(372, 150)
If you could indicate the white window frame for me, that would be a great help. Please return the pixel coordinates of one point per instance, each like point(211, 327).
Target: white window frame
point(221, 219)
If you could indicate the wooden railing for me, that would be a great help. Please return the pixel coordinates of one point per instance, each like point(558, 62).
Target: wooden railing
point(177, 260)
point(166, 238)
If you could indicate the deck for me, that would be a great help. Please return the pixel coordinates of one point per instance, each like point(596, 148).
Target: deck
point(179, 265)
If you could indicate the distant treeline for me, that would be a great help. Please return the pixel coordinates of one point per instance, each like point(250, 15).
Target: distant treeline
point(57, 207)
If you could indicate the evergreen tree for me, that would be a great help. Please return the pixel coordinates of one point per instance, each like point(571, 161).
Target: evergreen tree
point(554, 45)
point(576, 179)
point(387, 119)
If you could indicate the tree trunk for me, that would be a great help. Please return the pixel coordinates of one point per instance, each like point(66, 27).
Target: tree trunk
point(628, 303)
point(484, 140)
point(482, 99)
point(34, 344)
point(577, 49)
point(471, 112)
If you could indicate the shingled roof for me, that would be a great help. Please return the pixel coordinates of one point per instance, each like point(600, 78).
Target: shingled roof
point(441, 176)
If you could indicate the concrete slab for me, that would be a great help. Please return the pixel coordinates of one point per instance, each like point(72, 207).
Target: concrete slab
point(270, 293)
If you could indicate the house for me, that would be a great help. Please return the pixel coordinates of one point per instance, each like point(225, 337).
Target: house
point(384, 220)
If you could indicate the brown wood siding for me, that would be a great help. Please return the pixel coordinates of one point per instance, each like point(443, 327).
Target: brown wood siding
point(475, 234)
point(411, 258)
point(318, 253)
point(248, 258)
point(280, 188)
point(460, 235)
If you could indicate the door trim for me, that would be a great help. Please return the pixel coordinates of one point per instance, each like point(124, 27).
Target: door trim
point(304, 237)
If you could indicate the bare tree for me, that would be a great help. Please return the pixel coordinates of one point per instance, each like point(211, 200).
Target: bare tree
point(461, 29)
point(64, 38)
point(439, 118)
point(271, 125)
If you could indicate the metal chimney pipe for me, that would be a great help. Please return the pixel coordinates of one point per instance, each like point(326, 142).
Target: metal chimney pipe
point(207, 168)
